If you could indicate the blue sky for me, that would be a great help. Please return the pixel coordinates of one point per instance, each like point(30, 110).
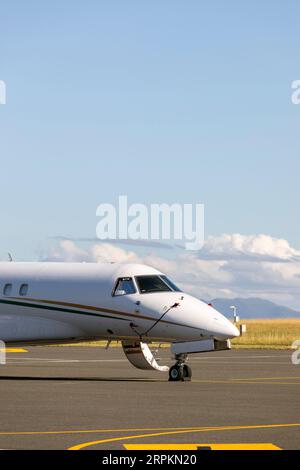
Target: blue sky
point(165, 101)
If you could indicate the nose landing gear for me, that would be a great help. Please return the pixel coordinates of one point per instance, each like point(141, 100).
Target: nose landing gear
point(180, 372)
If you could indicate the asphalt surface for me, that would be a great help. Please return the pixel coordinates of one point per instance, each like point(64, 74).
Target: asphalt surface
point(89, 398)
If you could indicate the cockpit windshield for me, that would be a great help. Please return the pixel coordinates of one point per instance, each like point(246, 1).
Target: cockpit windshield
point(149, 284)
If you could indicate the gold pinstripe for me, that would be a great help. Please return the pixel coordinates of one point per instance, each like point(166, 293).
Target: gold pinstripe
point(97, 309)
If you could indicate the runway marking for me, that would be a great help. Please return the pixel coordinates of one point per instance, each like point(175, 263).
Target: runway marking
point(244, 382)
point(162, 429)
point(263, 446)
point(241, 356)
point(90, 431)
point(182, 431)
point(14, 350)
point(269, 378)
point(288, 361)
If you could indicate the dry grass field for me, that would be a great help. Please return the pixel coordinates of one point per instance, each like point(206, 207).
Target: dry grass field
point(269, 334)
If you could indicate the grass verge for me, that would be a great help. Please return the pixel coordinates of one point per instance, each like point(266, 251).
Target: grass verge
point(269, 334)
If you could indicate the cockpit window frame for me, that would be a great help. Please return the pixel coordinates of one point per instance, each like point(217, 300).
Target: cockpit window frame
point(120, 278)
point(170, 283)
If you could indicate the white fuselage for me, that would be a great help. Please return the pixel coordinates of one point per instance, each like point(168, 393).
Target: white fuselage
point(52, 302)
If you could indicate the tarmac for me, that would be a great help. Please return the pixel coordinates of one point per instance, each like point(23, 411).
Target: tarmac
point(83, 398)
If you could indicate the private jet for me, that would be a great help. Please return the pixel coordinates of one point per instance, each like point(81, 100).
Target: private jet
point(46, 303)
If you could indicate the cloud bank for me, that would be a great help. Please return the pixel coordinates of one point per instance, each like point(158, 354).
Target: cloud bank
point(229, 265)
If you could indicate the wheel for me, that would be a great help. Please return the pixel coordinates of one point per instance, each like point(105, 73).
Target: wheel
point(176, 373)
point(187, 373)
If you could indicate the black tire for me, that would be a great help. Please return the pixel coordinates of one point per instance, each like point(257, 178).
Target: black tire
point(187, 373)
point(176, 374)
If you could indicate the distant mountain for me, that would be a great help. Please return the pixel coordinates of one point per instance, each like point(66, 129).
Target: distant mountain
point(254, 308)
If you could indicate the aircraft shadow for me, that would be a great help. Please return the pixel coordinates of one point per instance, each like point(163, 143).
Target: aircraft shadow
point(77, 379)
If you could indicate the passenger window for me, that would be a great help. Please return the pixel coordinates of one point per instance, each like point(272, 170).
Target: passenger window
point(7, 289)
point(23, 289)
point(124, 286)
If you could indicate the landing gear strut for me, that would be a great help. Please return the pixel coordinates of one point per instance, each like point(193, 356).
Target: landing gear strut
point(180, 372)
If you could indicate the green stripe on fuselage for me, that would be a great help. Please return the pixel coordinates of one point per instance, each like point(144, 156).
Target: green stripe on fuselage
point(59, 309)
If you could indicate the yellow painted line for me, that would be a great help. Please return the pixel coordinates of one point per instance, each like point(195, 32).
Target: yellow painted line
point(92, 431)
point(264, 446)
point(266, 383)
point(267, 378)
point(244, 382)
point(118, 430)
point(191, 431)
point(14, 350)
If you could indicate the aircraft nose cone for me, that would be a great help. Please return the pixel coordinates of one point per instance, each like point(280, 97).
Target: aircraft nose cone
point(226, 329)
point(233, 331)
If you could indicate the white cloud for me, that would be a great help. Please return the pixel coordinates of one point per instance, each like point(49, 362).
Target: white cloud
point(111, 253)
point(67, 251)
point(262, 247)
point(228, 266)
